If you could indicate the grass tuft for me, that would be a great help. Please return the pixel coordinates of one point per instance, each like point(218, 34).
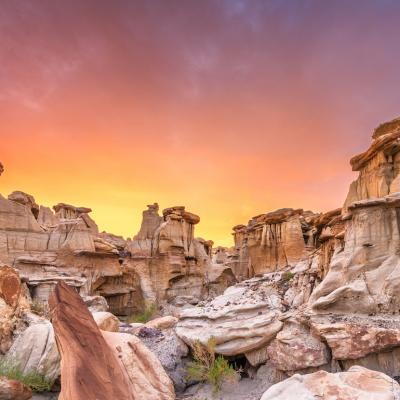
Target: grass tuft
point(40, 308)
point(33, 379)
point(144, 316)
point(211, 368)
point(288, 276)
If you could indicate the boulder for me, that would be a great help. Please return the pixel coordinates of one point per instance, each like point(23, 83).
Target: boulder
point(146, 374)
point(89, 368)
point(295, 348)
point(35, 349)
point(356, 384)
point(10, 286)
point(244, 318)
point(13, 390)
point(106, 321)
point(96, 303)
point(162, 322)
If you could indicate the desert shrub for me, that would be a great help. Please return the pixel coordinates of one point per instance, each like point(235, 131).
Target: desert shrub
point(287, 276)
point(36, 381)
point(208, 367)
point(145, 316)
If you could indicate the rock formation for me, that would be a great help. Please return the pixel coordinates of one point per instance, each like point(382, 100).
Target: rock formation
point(324, 287)
point(13, 305)
point(101, 365)
point(356, 384)
point(163, 264)
point(173, 266)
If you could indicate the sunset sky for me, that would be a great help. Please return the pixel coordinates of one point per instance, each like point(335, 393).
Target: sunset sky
point(231, 108)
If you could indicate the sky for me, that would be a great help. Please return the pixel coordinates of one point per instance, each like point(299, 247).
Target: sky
point(232, 108)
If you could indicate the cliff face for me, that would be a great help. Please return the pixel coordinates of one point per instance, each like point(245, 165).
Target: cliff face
point(378, 167)
point(162, 264)
point(325, 287)
point(273, 241)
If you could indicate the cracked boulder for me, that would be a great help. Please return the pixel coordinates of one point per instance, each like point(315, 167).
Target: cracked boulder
point(244, 318)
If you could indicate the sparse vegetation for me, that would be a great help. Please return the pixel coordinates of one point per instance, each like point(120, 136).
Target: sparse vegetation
point(36, 381)
point(145, 316)
point(40, 308)
point(211, 368)
point(287, 276)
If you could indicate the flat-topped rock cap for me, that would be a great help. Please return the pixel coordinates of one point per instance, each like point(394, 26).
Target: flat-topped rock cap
point(387, 127)
point(180, 211)
point(82, 210)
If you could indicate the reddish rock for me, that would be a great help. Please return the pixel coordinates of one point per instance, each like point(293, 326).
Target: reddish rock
point(13, 390)
point(10, 286)
point(89, 368)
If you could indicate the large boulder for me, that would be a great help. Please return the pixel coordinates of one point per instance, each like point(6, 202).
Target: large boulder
point(89, 368)
point(245, 318)
point(35, 349)
point(172, 353)
point(356, 384)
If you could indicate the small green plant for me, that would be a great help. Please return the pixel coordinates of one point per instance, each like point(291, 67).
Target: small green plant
point(33, 379)
point(288, 276)
point(144, 316)
point(40, 308)
point(208, 367)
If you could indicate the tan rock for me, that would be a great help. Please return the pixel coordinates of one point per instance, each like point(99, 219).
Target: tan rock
point(244, 318)
point(356, 384)
point(36, 349)
point(106, 321)
point(294, 348)
point(162, 322)
point(356, 337)
point(146, 375)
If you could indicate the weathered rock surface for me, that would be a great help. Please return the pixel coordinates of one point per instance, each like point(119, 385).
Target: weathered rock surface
point(36, 349)
point(120, 366)
point(89, 368)
point(13, 390)
point(106, 321)
point(244, 318)
point(13, 306)
point(146, 375)
point(171, 351)
point(294, 348)
point(356, 384)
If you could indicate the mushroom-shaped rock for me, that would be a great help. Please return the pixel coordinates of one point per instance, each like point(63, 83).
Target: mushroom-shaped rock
point(89, 368)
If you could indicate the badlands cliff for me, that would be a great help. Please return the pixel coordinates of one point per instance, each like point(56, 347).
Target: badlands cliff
point(306, 298)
